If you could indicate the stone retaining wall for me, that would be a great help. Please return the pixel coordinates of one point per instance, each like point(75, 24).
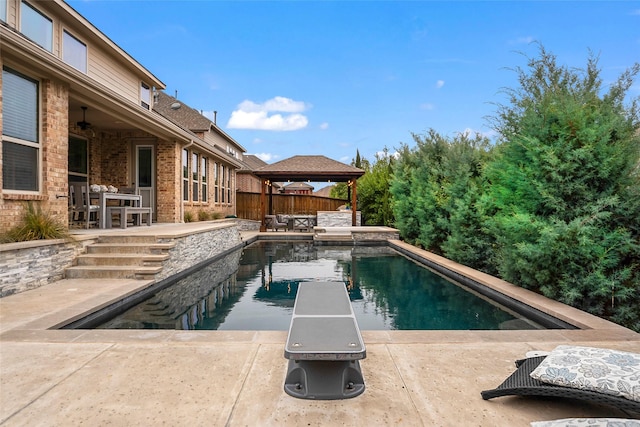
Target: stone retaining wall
point(193, 249)
point(247, 224)
point(337, 218)
point(29, 265)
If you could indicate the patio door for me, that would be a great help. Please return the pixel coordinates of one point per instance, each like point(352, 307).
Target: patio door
point(145, 178)
point(78, 160)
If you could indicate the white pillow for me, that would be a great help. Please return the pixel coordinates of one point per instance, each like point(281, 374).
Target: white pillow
point(590, 422)
point(601, 370)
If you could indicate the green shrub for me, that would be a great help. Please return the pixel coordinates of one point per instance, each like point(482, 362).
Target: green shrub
point(188, 216)
point(203, 215)
point(36, 225)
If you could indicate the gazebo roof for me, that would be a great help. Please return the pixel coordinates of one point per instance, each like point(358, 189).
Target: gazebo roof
point(309, 168)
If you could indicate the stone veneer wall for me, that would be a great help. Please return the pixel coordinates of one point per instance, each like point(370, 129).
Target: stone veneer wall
point(29, 265)
point(337, 218)
point(375, 234)
point(193, 249)
point(247, 224)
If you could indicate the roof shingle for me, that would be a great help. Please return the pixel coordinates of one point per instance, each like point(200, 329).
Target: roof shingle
point(314, 168)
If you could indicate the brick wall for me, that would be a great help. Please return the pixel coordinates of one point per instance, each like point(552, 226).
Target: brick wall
point(248, 183)
point(168, 182)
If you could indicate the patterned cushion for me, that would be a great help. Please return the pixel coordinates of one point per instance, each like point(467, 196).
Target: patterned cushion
point(596, 369)
point(588, 422)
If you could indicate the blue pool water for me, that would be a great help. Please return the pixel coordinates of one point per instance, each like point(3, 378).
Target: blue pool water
point(255, 288)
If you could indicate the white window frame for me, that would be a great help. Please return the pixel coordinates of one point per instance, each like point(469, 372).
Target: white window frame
point(204, 176)
point(9, 139)
point(216, 182)
point(47, 43)
point(229, 177)
point(195, 184)
point(3, 10)
point(70, 45)
point(145, 95)
point(223, 170)
point(185, 175)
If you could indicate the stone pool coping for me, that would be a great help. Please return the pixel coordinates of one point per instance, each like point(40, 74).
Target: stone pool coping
point(150, 377)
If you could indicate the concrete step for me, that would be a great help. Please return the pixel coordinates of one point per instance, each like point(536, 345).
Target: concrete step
point(129, 248)
point(122, 259)
point(111, 272)
point(116, 238)
point(325, 237)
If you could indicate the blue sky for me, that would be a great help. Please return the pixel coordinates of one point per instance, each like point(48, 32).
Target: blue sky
point(330, 77)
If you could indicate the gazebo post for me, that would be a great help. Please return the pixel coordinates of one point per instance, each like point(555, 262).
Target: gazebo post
point(354, 184)
point(263, 225)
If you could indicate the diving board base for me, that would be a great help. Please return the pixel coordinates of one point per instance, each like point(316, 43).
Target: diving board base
point(324, 344)
point(324, 380)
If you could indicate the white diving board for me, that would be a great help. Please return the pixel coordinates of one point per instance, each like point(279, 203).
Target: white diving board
point(324, 344)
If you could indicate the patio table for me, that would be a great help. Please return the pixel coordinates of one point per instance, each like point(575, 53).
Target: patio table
point(122, 198)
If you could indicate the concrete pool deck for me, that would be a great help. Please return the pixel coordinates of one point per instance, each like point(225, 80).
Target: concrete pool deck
point(174, 378)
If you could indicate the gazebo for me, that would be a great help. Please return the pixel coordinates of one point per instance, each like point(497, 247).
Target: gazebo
point(307, 168)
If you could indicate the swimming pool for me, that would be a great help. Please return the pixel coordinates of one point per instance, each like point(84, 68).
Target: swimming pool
point(254, 289)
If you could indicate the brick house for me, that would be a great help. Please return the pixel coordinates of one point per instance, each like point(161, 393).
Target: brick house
point(75, 107)
point(246, 180)
point(297, 188)
point(222, 159)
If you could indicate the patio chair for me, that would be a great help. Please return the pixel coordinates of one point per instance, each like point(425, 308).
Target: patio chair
point(80, 207)
point(272, 222)
point(521, 383)
point(302, 223)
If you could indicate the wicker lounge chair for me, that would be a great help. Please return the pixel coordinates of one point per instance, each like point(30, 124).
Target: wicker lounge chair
point(520, 383)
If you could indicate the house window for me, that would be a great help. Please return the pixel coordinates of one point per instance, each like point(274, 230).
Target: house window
point(74, 52)
point(203, 180)
point(222, 180)
point(145, 95)
point(20, 136)
point(216, 183)
point(185, 175)
point(3, 10)
point(194, 174)
point(232, 151)
point(36, 26)
point(229, 173)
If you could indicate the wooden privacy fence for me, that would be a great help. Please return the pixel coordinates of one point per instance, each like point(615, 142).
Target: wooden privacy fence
point(248, 204)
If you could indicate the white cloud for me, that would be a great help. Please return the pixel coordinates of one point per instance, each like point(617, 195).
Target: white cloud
point(250, 115)
point(324, 126)
point(427, 106)
point(439, 84)
point(258, 140)
point(345, 159)
point(636, 12)
point(266, 157)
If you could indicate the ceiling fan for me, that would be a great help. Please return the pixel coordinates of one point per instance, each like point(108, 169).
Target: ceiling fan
point(84, 124)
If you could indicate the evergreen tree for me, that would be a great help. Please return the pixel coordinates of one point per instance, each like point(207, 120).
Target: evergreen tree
point(374, 196)
point(564, 189)
point(434, 188)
